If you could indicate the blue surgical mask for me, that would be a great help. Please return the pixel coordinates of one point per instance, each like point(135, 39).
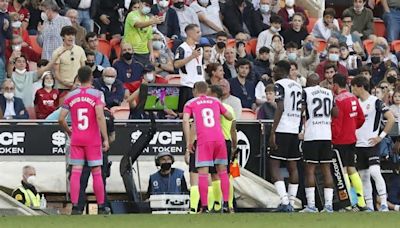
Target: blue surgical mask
point(292, 57)
point(333, 57)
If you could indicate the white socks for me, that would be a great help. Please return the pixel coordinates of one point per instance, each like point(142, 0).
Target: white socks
point(281, 189)
point(292, 192)
point(310, 195)
point(380, 184)
point(367, 187)
point(328, 195)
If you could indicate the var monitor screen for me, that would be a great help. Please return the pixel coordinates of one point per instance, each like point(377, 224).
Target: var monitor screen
point(161, 97)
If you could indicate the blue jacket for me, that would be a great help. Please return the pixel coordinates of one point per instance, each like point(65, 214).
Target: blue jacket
point(113, 97)
point(19, 107)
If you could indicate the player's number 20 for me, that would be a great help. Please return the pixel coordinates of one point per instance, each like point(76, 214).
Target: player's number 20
point(83, 120)
point(208, 117)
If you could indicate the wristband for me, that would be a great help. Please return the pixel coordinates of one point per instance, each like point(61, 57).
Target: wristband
point(382, 135)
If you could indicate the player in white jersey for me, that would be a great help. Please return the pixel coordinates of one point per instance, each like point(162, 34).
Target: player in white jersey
point(284, 139)
point(367, 157)
point(318, 105)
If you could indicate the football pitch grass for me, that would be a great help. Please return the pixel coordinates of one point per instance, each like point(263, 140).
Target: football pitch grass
point(241, 220)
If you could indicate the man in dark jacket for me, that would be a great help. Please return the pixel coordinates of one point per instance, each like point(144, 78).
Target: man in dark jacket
point(13, 107)
point(108, 18)
point(112, 88)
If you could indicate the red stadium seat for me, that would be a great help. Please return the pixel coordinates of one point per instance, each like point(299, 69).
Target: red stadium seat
point(368, 45)
point(321, 44)
point(231, 43)
point(248, 114)
point(396, 45)
point(379, 27)
point(115, 44)
point(35, 45)
point(170, 44)
point(104, 47)
point(251, 46)
point(31, 112)
point(120, 112)
point(311, 23)
point(174, 79)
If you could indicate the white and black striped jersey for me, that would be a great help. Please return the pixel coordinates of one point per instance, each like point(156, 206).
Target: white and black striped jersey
point(289, 92)
point(319, 103)
point(373, 110)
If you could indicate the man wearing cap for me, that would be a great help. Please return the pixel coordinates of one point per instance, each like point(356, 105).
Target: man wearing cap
point(166, 180)
point(149, 76)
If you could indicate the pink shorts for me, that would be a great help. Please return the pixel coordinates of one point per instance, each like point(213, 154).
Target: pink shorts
point(93, 155)
point(211, 153)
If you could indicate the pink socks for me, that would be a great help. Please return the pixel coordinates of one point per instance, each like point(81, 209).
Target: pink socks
point(223, 176)
point(98, 185)
point(75, 184)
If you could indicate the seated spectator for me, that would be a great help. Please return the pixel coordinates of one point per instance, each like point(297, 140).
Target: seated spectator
point(333, 40)
point(353, 41)
point(215, 72)
point(23, 79)
point(218, 50)
point(27, 193)
point(265, 37)
point(18, 6)
point(277, 51)
point(295, 76)
point(13, 107)
point(308, 58)
point(17, 45)
point(208, 12)
point(377, 92)
point(297, 32)
point(265, 8)
point(186, 16)
point(92, 44)
point(163, 57)
point(229, 64)
point(112, 88)
point(326, 26)
point(267, 109)
point(240, 16)
point(377, 65)
point(229, 99)
point(73, 16)
point(97, 70)
point(333, 57)
point(108, 19)
point(330, 70)
point(287, 14)
point(35, 16)
point(46, 98)
point(243, 88)
point(128, 70)
point(366, 72)
point(261, 65)
point(170, 25)
point(149, 76)
point(363, 20)
point(388, 55)
point(351, 61)
point(241, 42)
point(167, 180)
point(391, 76)
point(17, 29)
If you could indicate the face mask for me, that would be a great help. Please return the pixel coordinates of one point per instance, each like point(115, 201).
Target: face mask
point(275, 30)
point(16, 47)
point(43, 16)
point(203, 2)
point(89, 64)
point(158, 45)
point(289, 3)
point(127, 56)
point(16, 24)
point(146, 10)
point(163, 3)
point(375, 59)
point(221, 45)
point(31, 180)
point(391, 80)
point(149, 77)
point(8, 95)
point(179, 5)
point(292, 57)
point(109, 80)
point(309, 46)
point(166, 166)
point(20, 71)
point(264, 8)
point(333, 57)
point(49, 84)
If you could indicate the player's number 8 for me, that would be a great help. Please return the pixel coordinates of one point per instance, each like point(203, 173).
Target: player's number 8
point(208, 117)
point(83, 120)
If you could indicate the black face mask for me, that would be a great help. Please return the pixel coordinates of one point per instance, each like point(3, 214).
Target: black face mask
point(179, 5)
point(127, 56)
point(221, 45)
point(391, 80)
point(166, 166)
point(89, 64)
point(375, 59)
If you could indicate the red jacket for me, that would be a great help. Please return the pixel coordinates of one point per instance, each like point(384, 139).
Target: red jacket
point(349, 119)
point(321, 72)
point(285, 16)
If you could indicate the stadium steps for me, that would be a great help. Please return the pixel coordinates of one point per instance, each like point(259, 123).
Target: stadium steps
point(10, 206)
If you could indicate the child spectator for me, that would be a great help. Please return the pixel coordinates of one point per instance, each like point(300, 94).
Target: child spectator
point(46, 98)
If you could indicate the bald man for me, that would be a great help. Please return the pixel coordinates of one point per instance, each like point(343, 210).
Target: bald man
point(128, 70)
point(113, 89)
point(229, 99)
point(81, 31)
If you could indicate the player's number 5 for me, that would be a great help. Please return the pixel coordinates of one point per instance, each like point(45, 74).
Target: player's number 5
point(83, 120)
point(208, 117)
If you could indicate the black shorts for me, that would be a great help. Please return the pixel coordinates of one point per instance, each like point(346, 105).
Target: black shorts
point(347, 154)
point(288, 147)
point(212, 170)
point(366, 156)
point(185, 94)
point(318, 151)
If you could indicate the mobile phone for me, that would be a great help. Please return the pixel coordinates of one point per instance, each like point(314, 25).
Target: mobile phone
point(197, 46)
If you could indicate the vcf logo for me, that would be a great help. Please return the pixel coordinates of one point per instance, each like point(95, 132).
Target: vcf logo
point(11, 138)
point(244, 147)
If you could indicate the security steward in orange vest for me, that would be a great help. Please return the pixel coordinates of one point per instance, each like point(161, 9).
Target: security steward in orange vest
point(27, 193)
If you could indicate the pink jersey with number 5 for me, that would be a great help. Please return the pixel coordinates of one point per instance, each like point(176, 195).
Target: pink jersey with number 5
point(206, 112)
point(81, 104)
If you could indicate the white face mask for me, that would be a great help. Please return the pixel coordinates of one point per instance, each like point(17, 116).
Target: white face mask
point(146, 10)
point(49, 84)
point(149, 77)
point(158, 45)
point(16, 47)
point(163, 3)
point(264, 8)
point(43, 16)
point(109, 80)
point(289, 3)
point(8, 95)
point(16, 24)
point(31, 180)
point(275, 30)
point(203, 2)
point(20, 71)
point(333, 57)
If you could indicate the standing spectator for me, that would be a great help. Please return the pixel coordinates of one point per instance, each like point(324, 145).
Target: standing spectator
point(277, 50)
point(18, 46)
point(265, 38)
point(93, 43)
point(289, 11)
point(13, 107)
point(228, 98)
point(333, 57)
point(242, 40)
point(35, 16)
point(243, 88)
point(296, 33)
point(49, 31)
point(207, 51)
point(162, 56)
point(170, 26)
point(70, 61)
point(112, 88)
point(324, 27)
point(217, 52)
point(139, 32)
point(208, 12)
point(295, 76)
point(186, 16)
point(363, 20)
point(392, 19)
point(18, 30)
point(265, 8)
point(128, 70)
point(86, 10)
point(5, 33)
point(108, 18)
point(46, 98)
point(267, 109)
point(18, 6)
point(97, 70)
point(329, 71)
point(80, 31)
point(229, 64)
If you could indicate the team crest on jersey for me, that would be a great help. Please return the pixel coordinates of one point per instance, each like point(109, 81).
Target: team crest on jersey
point(54, 96)
point(155, 184)
point(178, 181)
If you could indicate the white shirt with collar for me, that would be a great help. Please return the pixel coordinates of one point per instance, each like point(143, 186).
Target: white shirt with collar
point(10, 111)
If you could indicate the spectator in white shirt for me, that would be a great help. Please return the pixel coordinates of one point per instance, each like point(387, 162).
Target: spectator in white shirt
point(265, 37)
point(326, 26)
point(208, 12)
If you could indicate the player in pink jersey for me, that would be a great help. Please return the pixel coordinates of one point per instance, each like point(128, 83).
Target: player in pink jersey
point(88, 122)
point(211, 148)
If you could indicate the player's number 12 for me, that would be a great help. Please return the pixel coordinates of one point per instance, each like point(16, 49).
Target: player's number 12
point(83, 120)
